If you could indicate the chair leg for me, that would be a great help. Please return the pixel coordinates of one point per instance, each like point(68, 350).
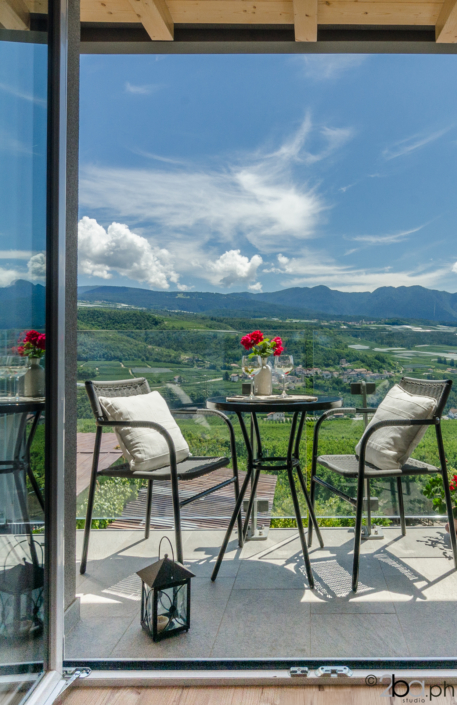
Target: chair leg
point(312, 492)
point(251, 502)
point(177, 516)
point(239, 519)
point(235, 515)
point(301, 531)
point(312, 517)
point(147, 526)
point(368, 496)
point(401, 506)
point(236, 486)
point(90, 500)
point(358, 532)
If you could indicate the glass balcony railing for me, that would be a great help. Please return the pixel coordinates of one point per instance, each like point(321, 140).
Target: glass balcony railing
point(188, 367)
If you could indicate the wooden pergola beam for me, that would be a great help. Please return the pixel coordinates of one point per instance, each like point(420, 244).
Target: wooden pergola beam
point(446, 26)
point(305, 20)
point(14, 14)
point(155, 17)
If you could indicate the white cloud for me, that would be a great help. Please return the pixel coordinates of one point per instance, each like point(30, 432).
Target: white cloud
point(334, 138)
point(146, 89)
point(256, 288)
point(386, 239)
point(8, 276)
point(257, 203)
point(18, 93)
point(313, 269)
point(117, 249)
point(322, 67)
point(156, 157)
point(343, 189)
point(185, 287)
point(454, 267)
point(37, 267)
point(15, 254)
point(233, 268)
point(293, 149)
point(410, 144)
point(258, 197)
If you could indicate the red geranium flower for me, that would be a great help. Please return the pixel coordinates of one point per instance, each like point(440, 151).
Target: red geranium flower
point(256, 336)
point(41, 341)
point(33, 344)
point(31, 337)
point(278, 346)
point(246, 342)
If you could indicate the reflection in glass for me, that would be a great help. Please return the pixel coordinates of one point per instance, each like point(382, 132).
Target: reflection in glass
point(23, 167)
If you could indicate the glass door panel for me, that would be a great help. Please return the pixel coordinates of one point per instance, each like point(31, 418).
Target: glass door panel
point(23, 159)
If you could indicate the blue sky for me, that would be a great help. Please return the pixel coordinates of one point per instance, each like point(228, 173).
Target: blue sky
point(229, 173)
point(23, 86)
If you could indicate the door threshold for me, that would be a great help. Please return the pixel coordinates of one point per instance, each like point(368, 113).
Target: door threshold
point(326, 674)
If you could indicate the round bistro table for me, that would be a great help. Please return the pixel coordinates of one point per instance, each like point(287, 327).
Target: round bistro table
point(257, 462)
point(15, 445)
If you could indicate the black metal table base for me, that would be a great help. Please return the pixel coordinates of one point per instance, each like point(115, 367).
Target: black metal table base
point(255, 465)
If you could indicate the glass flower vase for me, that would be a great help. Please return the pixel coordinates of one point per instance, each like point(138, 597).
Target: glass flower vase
point(263, 383)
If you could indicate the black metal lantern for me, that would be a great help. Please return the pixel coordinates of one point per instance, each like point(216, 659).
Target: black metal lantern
point(165, 597)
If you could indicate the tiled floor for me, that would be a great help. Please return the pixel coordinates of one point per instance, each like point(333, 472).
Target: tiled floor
point(261, 605)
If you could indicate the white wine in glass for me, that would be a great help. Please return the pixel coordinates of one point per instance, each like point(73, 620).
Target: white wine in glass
point(284, 364)
point(17, 368)
point(251, 365)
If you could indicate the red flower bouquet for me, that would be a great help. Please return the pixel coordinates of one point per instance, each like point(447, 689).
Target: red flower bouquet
point(262, 346)
point(33, 345)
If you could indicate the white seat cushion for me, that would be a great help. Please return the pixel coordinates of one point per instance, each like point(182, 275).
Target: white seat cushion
point(144, 448)
point(390, 447)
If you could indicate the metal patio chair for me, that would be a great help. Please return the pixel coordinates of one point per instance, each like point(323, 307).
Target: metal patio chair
point(352, 467)
point(191, 468)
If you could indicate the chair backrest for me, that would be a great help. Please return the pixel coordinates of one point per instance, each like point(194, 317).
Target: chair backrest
point(438, 389)
point(119, 388)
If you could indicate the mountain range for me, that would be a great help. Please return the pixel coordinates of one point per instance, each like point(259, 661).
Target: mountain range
point(22, 305)
point(413, 302)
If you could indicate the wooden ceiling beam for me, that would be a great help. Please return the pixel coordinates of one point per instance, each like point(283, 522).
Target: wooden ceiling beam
point(303, 12)
point(305, 20)
point(14, 14)
point(155, 17)
point(446, 26)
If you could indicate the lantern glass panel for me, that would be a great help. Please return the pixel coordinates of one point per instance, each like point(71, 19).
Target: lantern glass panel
point(172, 610)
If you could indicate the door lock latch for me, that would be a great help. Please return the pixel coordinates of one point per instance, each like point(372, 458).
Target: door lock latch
point(334, 671)
point(296, 671)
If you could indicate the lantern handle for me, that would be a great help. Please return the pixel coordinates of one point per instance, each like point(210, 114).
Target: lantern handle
point(171, 546)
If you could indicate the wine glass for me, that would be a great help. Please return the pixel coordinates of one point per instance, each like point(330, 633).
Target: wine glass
point(4, 371)
point(284, 364)
point(251, 364)
point(17, 368)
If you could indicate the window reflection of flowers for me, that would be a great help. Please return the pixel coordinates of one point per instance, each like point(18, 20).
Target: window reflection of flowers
point(33, 345)
point(434, 490)
point(262, 346)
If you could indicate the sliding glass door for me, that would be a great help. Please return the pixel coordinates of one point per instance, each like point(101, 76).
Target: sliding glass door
point(31, 112)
